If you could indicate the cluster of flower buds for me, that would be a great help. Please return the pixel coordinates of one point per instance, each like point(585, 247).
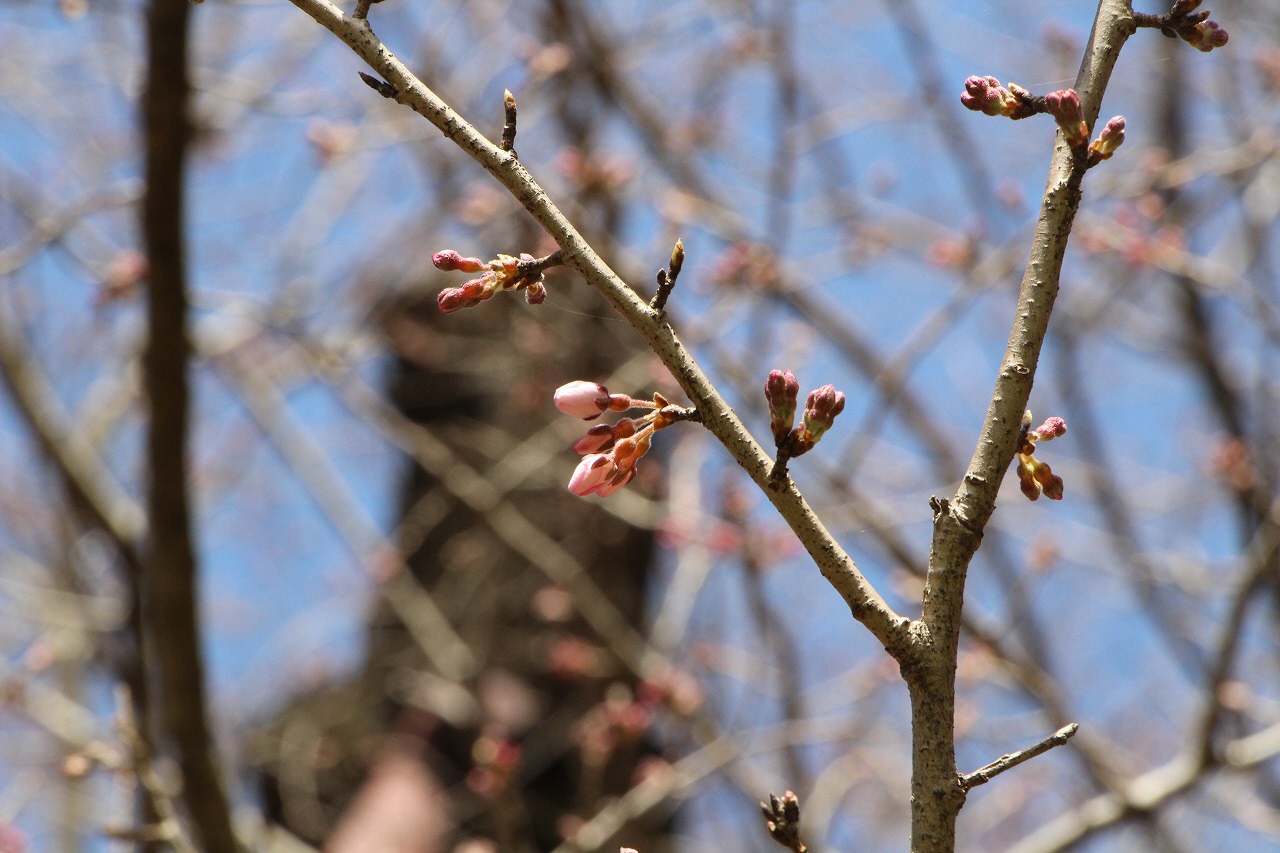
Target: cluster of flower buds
point(610, 451)
point(782, 390)
point(503, 273)
point(987, 95)
point(1034, 475)
point(1195, 28)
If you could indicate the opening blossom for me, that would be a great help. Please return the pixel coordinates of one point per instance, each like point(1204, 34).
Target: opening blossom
point(1035, 476)
point(610, 451)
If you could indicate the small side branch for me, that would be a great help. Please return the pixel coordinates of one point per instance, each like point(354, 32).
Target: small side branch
point(667, 278)
point(509, 128)
point(537, 266)
point(1013, 759)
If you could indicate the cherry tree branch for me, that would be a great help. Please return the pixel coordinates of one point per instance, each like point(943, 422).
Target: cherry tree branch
point(937, 792)
point(865, 603)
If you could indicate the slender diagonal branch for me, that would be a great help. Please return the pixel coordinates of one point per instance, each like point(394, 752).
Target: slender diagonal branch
point(983, 775)
point(865, 603)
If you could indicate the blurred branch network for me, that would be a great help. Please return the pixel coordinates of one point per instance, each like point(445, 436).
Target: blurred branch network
point(416, 639)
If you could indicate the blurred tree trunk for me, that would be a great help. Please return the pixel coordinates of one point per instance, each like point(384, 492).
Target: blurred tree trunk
point(168, 581)
point(482, 382)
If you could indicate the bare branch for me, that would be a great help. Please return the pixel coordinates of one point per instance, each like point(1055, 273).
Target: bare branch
point(1011, 760)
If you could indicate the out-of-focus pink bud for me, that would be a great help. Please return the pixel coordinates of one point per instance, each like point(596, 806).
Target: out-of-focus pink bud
point(580, 399)
point(1064, 105)
point(450, 261)
point(535, 293)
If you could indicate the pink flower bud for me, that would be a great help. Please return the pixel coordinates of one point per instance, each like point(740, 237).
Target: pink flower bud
point(1205, 36)
point(452, 299)
point(597, 474)
point(1050, 429)
point(579, 399)
point(593, 471)
point(479, 289)
point(781, 390)
point(597, 439)
point(535, 293)
point(986, 95)
point(1065, 106)
point(1111, 138)
point(821, 409)
point(451, 261)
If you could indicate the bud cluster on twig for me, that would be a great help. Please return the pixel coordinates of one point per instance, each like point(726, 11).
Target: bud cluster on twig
point(610, 451)
point(987, 95)
point(502, 273)
point(1184, 22)
point(1034, 475)
point(781, 392)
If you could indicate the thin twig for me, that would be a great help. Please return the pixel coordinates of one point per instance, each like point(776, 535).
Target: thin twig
point(1011, 760)
point(509, 128)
